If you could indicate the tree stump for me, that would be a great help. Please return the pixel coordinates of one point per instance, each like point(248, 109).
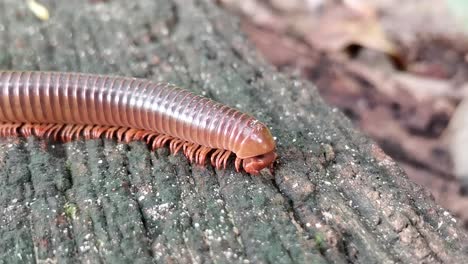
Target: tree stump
point(334, 197)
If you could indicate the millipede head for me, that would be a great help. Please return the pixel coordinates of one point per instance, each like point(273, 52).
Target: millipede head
point(257, 150)
point(255, 164)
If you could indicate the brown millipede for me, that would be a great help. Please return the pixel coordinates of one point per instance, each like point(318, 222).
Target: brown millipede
point(65, 106)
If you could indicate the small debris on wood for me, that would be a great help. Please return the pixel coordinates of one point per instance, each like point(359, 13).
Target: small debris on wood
point(39, 10)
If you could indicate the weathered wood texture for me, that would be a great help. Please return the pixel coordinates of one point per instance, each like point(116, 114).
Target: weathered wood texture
point(335, 196)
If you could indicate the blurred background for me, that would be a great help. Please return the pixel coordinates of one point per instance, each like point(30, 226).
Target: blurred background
point(397, 69)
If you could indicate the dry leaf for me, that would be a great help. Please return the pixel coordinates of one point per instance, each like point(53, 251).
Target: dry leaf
point(457, 138)
point(341, 27)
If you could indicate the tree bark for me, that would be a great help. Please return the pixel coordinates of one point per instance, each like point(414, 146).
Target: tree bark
point(334, 197)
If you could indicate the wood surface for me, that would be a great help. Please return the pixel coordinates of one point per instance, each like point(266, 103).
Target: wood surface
point(335, 196)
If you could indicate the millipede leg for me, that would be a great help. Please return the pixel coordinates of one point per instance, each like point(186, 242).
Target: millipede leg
point(120, 133)
point(66, 133)
point(214, 157)
point(110, 132)
point(238, 164)
point(149, 139)
point(41, 129)
point(191, 152)
point(87, 132)
point(97, 131)
point(201, 155)
point(53, 132)
point(9, 129)
point(195, 153)
point(26, 130)
point(224, 158)
point(76, 131)
point(176, 145)
point(141, 135)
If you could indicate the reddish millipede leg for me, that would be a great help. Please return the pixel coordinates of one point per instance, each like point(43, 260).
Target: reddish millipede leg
point(163, 140)
point(120, 133)
point(238, 164)
point(194, 152)
point(110, 132)
point(130, 135)
point(76, 131)
point(224, 158)
point(66, 133)
point(54, 132)
point(150, 137)
point(173, 145)
point(140, 135)
point(177, 145)
point(41, 129)
point(87, 132)
point(27, 130)
point(157, 142)
point(187, 146)
point(8, 129)
point(200, 156)
point(98, 131)
point(214, 157)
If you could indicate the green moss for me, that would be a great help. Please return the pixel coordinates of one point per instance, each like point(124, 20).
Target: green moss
point(68, 166)
point(319, 241)
point(70, 210)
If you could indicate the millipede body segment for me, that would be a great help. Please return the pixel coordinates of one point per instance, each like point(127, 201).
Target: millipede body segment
point(65, 106)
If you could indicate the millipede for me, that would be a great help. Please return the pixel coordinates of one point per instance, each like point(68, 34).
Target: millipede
point(65, 106)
